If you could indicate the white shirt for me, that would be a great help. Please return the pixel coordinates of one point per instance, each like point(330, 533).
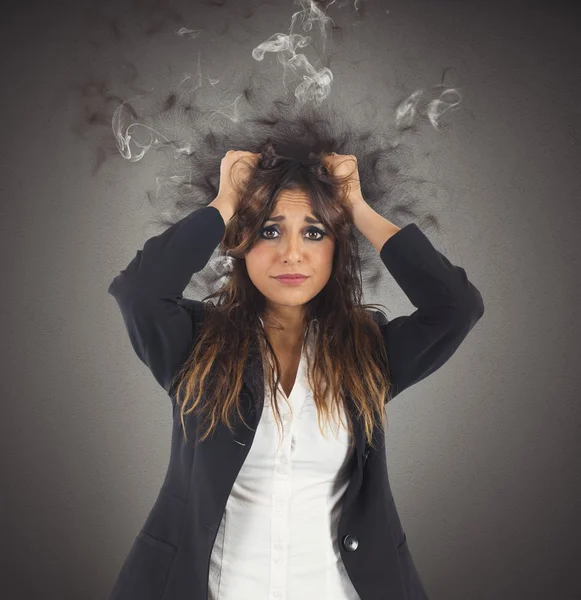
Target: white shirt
point(278, 536)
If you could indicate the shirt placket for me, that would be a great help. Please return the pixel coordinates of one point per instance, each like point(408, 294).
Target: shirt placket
point(281, 489)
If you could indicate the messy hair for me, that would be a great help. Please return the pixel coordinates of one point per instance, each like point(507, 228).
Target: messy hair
point(349, 354)
point(350, 362)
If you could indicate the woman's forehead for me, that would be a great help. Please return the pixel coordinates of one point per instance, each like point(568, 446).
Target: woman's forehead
point(296, 195)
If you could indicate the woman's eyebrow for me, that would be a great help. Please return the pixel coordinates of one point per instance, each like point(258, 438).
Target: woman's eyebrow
point(283, 218)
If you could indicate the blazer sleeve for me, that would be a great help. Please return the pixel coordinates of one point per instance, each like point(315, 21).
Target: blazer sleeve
point(161, 324)
point(448, 306)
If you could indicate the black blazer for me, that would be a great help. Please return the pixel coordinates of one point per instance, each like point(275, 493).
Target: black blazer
point(170, 556)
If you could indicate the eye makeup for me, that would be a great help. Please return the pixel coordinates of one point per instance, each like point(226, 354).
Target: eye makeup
point(321, 233)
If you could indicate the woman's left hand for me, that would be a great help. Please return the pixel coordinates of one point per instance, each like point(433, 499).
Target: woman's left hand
point(344, 166)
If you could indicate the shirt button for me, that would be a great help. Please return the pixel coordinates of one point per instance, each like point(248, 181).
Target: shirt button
point(350, 542)
point(279, 513)
point(277, 559)
point(277, 594)
point(279, 500)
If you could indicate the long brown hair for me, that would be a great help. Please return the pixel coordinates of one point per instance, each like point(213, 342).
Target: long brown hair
point(349, 353)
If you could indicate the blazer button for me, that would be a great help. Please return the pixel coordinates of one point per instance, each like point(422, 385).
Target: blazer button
point(365, 455)
point(350, 542)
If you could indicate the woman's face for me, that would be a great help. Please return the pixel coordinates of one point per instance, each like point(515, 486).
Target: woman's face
point(290, 245)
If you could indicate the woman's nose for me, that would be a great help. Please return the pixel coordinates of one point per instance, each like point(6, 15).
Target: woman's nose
point(293, 248)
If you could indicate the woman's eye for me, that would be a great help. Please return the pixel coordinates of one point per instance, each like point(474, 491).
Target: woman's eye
point(314, 230)
point(266, 230)
point(319, 231)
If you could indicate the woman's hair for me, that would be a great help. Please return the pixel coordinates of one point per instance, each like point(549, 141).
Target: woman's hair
point(349, 354)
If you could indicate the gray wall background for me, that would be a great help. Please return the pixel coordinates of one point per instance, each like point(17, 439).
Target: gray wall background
point(483, 454)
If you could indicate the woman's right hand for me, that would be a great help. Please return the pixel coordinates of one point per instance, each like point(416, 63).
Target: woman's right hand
point(240, 163)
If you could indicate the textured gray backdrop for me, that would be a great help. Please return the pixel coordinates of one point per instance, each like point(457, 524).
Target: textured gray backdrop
point(483, 455)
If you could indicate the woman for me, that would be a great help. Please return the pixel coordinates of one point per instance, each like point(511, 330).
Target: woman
point(244, 513)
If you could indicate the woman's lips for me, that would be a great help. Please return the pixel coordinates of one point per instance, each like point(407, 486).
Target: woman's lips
point(291, 279)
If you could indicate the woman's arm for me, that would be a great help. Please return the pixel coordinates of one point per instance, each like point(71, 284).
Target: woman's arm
point(371, 224)
point(149, 291)
point(448, 304)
